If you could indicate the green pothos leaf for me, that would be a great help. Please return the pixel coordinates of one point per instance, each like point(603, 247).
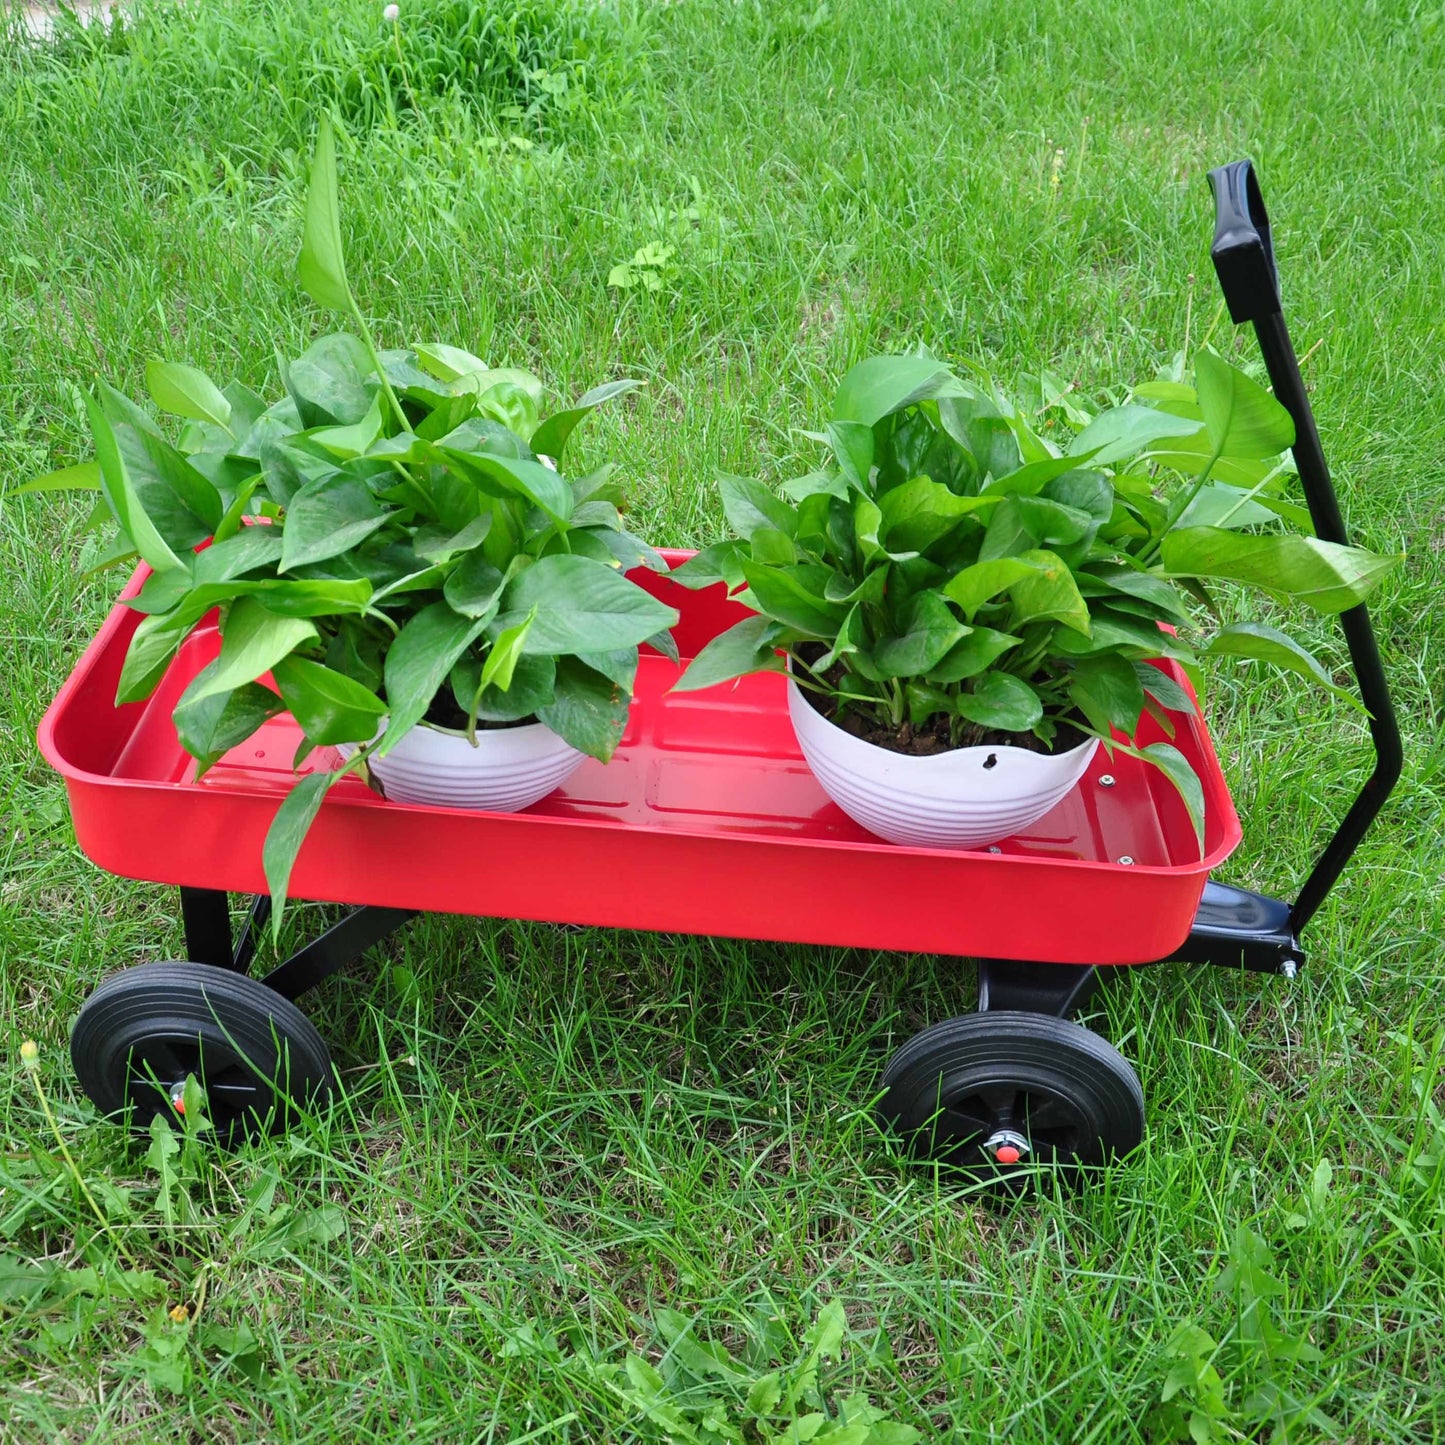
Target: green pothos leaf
point(1001, 701)
point(587, 710)
point(285, 836)
point(1176, 767)
point(210, 725)
point(748, 646)
point(321, 267)
point(1253, 640)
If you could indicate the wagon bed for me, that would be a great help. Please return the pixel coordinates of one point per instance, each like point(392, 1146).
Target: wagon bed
point(707, 820)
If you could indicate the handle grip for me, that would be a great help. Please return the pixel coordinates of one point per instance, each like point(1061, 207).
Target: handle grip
point(1242, 253)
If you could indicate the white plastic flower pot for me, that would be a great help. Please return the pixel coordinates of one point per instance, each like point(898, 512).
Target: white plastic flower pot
point(508, 769)
point(966, 798)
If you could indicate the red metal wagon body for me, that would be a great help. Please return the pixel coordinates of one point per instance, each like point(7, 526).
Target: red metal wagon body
point(707, 820)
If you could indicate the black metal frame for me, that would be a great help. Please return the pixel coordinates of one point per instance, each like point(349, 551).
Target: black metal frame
point(1233, 928)
point(206, 914)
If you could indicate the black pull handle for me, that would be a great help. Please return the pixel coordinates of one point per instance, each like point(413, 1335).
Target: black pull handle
point(1242, 253)
point(1244, 259)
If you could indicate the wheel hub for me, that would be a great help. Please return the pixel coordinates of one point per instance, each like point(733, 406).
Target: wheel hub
point(159, 1064)
point(1006, 1146)
point(1003, 1123)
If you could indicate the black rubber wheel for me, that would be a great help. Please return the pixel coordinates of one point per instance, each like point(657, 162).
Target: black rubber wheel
point(256, 1055)
point(994, 1093)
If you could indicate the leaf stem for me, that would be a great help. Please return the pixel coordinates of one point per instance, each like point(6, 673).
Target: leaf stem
point(1178, 509)
point(472, 713)
point(822, 688)
point(371, 351)
point(1250, 495)
point(382, 617)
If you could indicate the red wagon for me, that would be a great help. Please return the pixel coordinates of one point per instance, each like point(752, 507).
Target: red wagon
point(706, 821)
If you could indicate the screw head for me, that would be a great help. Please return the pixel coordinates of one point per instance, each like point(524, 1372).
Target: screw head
point(1126, 860)
point(1106, 780)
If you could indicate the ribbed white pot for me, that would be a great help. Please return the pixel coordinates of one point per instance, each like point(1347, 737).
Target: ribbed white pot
point(961, 799)
point(508, 769)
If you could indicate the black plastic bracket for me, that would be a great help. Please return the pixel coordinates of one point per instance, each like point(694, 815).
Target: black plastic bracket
point(1243, 253)
point(1061, 989)
point(1235, 928)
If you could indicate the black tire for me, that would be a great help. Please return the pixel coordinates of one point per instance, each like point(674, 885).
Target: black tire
point(256, 1055)
point(1049, 1090)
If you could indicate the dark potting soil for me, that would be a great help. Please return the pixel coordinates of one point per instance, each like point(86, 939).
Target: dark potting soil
point(932, 737)
point(444, 713)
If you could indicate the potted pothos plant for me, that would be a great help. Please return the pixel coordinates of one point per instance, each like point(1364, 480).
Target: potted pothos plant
point(395, 557)
point(971, 596)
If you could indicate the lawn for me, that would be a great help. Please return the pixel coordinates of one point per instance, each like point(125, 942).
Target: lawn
point(558, 1147)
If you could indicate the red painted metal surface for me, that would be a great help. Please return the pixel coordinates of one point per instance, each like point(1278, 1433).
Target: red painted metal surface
point(707, 820)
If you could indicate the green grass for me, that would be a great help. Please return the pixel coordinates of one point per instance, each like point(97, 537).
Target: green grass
point(553, 1132)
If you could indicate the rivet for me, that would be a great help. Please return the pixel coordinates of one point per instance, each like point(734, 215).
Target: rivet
point(1126, 860)
point(1106, 780)
point(995, 849)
